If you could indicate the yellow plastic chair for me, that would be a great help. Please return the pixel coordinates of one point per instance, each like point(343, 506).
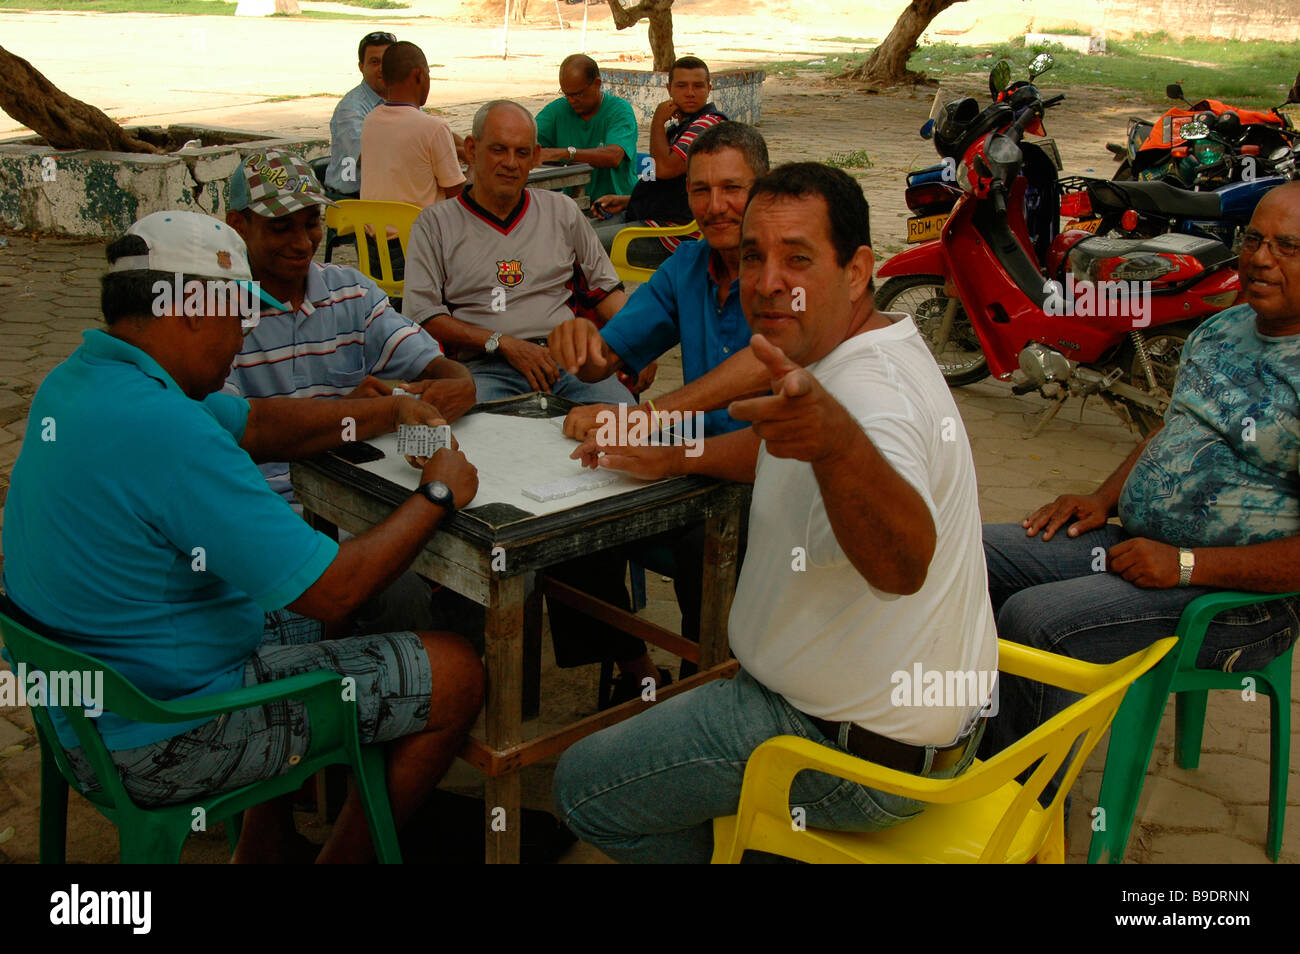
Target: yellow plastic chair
point(352, 216)
point(983, 816)
point(618, 252)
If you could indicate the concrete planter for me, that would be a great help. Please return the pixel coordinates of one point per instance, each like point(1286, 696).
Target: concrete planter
point(99, 194)
point(738, 93)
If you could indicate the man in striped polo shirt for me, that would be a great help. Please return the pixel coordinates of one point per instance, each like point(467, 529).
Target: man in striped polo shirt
point(493, 271)
point(340, 334)
point(677, 122)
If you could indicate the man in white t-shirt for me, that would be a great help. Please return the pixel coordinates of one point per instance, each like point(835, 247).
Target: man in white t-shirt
point(864, 580)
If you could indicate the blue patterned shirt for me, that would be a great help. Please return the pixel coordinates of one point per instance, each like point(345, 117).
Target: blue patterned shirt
point(1223, 470)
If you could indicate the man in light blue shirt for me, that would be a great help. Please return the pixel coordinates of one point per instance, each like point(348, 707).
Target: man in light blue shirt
point(139, 531)
point(343, 175)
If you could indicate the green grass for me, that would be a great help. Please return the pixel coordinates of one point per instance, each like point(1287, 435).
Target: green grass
point(850, 160)
point(1255, 74)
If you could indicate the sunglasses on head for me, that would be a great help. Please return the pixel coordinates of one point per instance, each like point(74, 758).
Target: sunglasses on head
point(373, 38)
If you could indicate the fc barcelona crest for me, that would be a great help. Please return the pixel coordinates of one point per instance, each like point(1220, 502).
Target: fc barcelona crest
point(510, 273)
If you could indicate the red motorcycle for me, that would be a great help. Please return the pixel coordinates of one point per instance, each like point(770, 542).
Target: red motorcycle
point(1067, 315)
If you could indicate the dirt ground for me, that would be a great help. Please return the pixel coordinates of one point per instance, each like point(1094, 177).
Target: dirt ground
point(804, 117)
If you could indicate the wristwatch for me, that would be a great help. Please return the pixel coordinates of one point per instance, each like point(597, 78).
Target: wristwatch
point(573, 153)
point(439, 494)
point(490, 346)
point(1186, 563)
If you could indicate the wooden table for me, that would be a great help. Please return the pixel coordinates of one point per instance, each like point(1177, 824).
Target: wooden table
point(483, 553)
point(555, 178)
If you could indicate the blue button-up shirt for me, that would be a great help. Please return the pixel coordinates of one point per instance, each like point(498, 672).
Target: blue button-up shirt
point(679, 305)
point(345, 139)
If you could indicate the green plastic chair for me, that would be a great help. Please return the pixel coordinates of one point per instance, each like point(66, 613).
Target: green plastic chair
point(1133, 733)
point(156, 835)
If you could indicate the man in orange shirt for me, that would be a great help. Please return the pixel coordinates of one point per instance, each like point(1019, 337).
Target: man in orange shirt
point(408, 155)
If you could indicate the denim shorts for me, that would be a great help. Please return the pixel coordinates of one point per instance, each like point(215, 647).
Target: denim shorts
point(394, 686)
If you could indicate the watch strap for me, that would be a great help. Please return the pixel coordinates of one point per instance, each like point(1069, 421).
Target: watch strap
point(1186, 564)
point(438, 494)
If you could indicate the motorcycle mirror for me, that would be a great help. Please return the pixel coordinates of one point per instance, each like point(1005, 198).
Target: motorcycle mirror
point(927, 130)
point(1175, 91)
point(1194, 130)
point(999, 76)
point(1041, 64)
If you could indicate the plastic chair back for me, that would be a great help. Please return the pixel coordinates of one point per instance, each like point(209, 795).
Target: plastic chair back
point(1018, 828)
point(618, 251)
point(157, 834)
point(355, 216)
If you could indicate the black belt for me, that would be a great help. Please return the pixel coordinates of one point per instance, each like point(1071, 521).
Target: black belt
point(891, 753)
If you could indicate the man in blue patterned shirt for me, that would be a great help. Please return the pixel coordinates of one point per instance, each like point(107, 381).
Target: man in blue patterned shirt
point(1209, 501)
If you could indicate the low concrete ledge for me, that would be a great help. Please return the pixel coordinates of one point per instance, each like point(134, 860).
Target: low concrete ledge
point(94, 194)
point(738, 93)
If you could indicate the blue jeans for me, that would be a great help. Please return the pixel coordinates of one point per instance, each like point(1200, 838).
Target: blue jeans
point(1047, 595)
point(647, 789)
point(496, 378)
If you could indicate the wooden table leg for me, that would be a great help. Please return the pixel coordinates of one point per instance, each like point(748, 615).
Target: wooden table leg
point(532, 693)
point(504, 638)
point(720, 542)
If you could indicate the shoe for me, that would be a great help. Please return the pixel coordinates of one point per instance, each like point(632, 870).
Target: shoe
point(626, 687)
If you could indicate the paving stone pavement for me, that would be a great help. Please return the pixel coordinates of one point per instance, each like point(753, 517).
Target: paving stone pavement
point(49, 295)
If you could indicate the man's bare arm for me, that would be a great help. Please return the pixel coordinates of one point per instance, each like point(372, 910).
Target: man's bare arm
point(740, 376)
point(1088, 511)
point(292, 428)
point(1272, 567)
point(603, 157)
point(453, 390)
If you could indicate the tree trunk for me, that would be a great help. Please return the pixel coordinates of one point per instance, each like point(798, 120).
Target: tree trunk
point(63, 122)
point(660, 15)
point(887, 64)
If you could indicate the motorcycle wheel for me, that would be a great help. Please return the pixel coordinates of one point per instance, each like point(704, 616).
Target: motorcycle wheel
point(962, 359)
point(1164, 347)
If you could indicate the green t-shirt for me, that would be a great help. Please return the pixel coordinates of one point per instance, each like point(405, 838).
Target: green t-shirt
point(614, 124)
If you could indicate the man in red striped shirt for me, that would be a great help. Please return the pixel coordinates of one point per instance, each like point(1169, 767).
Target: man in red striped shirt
point(677, 122)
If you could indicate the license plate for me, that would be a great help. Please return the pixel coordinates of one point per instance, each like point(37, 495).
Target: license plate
point(1087, 225)
point(923, 228)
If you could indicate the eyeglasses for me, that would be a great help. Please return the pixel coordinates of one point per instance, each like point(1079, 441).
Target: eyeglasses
point(575, 95)
point(372, 39)
point(1278, 247)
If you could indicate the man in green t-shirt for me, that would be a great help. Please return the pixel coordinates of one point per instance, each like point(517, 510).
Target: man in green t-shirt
point(588, 125)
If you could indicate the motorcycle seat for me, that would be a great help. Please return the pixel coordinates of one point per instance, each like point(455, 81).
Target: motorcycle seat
point(1208, 252)
point(1159, 198)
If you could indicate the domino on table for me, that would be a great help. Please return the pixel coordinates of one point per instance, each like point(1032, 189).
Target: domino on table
point(567, 486)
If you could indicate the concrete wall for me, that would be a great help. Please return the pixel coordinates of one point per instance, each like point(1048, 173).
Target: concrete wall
point(99, 194)
point(1229, 19)
point(738, 93)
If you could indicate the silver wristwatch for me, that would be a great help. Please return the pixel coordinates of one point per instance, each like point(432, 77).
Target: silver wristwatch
point(573, 153)
point(490, 346)
point(1186, 563)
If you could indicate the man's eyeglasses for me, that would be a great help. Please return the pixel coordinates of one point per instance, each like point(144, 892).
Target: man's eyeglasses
point(578, 93)
point(374, 39)
point(1279, 247)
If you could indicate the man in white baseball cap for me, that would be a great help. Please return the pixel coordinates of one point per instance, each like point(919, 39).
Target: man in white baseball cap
point(191, 576)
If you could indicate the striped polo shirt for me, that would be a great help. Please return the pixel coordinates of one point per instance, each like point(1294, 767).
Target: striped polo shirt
point(344, 330)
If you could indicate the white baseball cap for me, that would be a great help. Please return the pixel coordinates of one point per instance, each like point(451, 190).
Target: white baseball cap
point(192, 244)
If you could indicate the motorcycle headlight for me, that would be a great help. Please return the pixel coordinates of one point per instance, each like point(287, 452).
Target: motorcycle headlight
point(1208, 153)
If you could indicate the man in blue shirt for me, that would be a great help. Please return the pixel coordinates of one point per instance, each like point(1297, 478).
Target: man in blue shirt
point(343, 175)
point(690, 300)
point(1209, 501)
point(693, 300)
point(139, 531)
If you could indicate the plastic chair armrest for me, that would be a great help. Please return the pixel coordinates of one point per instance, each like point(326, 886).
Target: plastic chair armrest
point(306, 686)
